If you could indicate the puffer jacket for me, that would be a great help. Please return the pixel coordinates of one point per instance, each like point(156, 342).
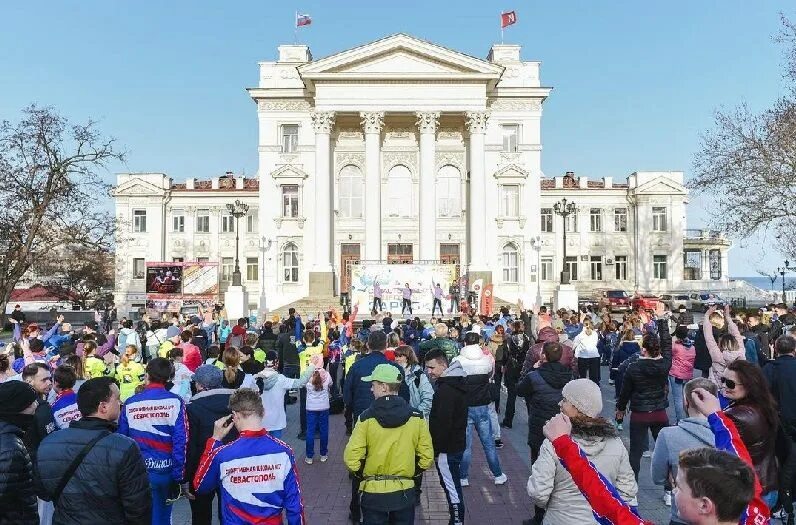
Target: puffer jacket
point(421, 393)
point(517, 347)
point(548, 334)
point(645, 383)
point(447, 422)
point(479, 367)
point(542, 389)
point(18, 505)
point(683, 360)
point(551, 486)
point(203, 410)
point(110, 486)
point(759, 438)
point(444, 344)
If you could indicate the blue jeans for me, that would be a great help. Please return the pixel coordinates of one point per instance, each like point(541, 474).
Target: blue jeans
point(479, 417)
point(321, 418)
point(159, 483)
point(676, 388)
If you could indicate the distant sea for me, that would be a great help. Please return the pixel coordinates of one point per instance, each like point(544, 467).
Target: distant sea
point(764, 283)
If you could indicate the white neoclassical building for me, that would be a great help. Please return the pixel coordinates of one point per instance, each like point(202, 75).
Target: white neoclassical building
point(401, 150)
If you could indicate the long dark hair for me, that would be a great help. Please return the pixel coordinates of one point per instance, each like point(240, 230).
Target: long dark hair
point(757, 392)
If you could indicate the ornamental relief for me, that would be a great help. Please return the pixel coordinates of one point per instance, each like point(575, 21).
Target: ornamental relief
point(350, 134)
point(344, 159)
point(450, 158)
point(450, 134)
point(400, 133)
point(394, 158)
point(516, 105)
point(507, 158)
point(283, 105)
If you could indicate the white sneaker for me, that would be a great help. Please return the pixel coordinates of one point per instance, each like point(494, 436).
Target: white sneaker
point(647, 454)
point(502, 479)
point(465, 482)
point(308, 461)
point(324, 458)
point(667, 498)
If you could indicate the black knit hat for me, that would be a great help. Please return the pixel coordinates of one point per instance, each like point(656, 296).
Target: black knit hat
point(16, 396)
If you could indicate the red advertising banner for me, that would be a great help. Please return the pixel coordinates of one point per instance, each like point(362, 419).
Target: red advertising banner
point(487, 300)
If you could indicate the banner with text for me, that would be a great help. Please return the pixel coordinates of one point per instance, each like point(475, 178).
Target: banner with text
point(393, 278)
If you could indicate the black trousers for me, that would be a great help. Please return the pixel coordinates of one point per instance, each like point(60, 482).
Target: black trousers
point(437, 304)
point(511, 398)
point(381, 306)
point(303, 409)
point(787, 476)
point(406, 304)
point(448, 468)
point(495, 387)
point(589, 367)
point(639, 441)
point(202, 508)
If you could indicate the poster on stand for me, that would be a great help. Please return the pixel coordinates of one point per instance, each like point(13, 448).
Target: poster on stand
point(392, 279)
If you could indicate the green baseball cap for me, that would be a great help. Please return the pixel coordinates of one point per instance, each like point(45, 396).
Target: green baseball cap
point(385, 373)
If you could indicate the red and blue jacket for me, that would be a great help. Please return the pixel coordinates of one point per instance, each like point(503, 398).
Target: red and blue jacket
point(65, 408)
point(157, 421)
point(609, 508)
point(257, 477)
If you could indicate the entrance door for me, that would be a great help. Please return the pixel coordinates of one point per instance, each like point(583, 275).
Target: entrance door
point(399, 254)
point(349, 255)
point(449, 254)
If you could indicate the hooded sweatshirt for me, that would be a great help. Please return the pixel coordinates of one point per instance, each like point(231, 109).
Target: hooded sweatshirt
point(548, 334)
point(274, 387)
point(542, 390)
point(478, 367)
point(448, 419)
point(690, 432)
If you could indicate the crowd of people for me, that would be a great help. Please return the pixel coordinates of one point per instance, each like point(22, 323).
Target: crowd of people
point(115, 425)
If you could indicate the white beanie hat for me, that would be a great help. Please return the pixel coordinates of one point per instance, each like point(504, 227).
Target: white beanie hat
point(584, 394)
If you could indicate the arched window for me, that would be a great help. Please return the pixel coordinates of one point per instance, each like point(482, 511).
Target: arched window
point(290, 263)
point(449, 192)
point(511, 266)
point(398, 200)
point(350, 192)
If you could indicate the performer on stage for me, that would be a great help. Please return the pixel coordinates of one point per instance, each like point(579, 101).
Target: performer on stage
point(437, 291)
point(377, 298)
point(407, 299)
point(455, 296)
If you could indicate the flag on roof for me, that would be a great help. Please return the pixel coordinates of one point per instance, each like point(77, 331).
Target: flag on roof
point(508, 18)
point(303, 20)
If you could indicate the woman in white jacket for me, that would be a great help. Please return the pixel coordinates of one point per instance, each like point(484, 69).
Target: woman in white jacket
point(550, 485)
point(587, 353)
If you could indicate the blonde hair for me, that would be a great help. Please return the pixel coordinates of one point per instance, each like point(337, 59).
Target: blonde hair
point(125, 356)
point(441, 330)
point(231, 359)
point(393, 340)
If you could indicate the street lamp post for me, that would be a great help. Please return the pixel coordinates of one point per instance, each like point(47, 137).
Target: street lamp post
point(564, 208)
point(238, 209)
point(782, 270)
point(536, 242)
point(265, 245)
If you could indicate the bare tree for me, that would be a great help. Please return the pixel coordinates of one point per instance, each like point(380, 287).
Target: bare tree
point(81, 274)
point(747, 163)
point(51, 185)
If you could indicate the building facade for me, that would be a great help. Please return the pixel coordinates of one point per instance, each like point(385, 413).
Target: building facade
point(404, 151)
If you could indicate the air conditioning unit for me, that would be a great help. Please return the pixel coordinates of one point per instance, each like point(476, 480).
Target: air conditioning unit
point(609, 262)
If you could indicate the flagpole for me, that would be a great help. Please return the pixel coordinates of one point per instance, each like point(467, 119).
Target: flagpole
point(295, 29)
point(501, 28)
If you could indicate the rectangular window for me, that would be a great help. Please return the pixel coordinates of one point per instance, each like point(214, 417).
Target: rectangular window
point(178, 221)
point(290, 201)
point(572, 222)
point(596, 220)
point(139, 221)
point(289, 138)
point(572, 267)
point(659, 266)
point(178, 259)
point(139, 268)
point(511, 200)
point(252, 269)
point(659, 219)
point(620, 267)
point(510, 133)
point(203, 259)
point(547, 268)
point(203, 221)
point(620, 219)
point(251, 222)
point(227, 224)
point(596, 268)
point(510, 264)
point(547, 220)
point(227, 267)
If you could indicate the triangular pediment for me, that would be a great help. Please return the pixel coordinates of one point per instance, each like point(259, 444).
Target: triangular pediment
point(399, 55)
point(661, 186)
point(289, 171)
point(137, 187)
point(511, 171)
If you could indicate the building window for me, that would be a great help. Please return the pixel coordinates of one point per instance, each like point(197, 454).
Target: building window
point(596, 268)
point(620, 267)
point(659, 266)
point(400, 253)
point(572, 267)
point(547, 268)
point(290, 263)
point(596, 220)
point(714, 261)
point(510, 200)
point(510, 132)
point(178, 259)
point(251, 222)
point(571, 222)
point(350, 192)
point(547, 220)
point(290, 201)
point(202, 259)
point(449, 192)
point(203, 221)
point(227, 223)
point(178, 221)
point(252, 269)
point(398, 198)
point(139, 221)
point(511, 267)
point(620, 219)
point(659, 219)
point(227, 267)
point(289, 138)
point(139, 268)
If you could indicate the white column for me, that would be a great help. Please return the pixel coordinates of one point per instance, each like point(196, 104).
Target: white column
point(427, 123)
point(476, 123)
point(372, 123)
point(323, 122)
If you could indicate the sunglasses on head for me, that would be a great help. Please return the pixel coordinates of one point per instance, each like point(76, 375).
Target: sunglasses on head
point(729, 383)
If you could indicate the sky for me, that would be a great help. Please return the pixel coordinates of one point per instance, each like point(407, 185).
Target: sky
point(635, 83)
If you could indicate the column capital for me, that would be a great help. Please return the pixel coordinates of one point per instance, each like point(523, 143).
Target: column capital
point(322, 121)
point(372, 121)
point(476, 121)
point(427, 121)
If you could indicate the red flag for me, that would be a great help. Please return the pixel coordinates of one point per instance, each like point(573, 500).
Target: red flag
point(507, 19)
point(487, 301)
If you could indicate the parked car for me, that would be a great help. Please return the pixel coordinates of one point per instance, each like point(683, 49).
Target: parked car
point(644, 302)
point(674, 302)
point(703, 300)
point(614, 300)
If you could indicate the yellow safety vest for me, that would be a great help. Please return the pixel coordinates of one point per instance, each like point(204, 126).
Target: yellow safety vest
point(349, 360)
point(305, 356)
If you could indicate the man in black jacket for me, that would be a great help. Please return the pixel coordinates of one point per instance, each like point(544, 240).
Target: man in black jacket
point(210, 403)
point(17, 494)
point(447, 423)
point(110, 485)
